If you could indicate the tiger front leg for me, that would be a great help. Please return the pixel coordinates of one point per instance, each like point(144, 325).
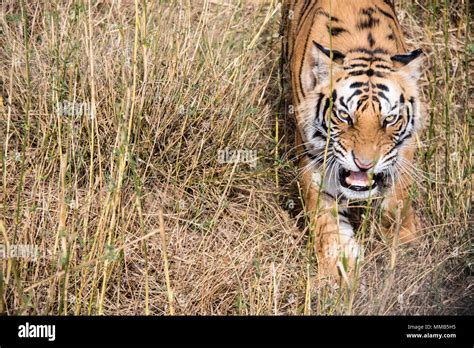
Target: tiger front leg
point(398, 215)
point(337, 250)
point(399, 218)
point(336, 247)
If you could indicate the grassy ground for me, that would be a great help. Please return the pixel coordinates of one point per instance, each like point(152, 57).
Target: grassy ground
point(112, 119)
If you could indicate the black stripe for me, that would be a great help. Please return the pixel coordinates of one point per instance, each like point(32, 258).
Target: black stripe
point(305, 46)
point(410, 121)
point(341, 101)
point(367, 11)
point(383, 96)
point(358, 84)
point(376, 99)
point(386, 14)
point(353, 66)
point(389, 3)
point(383, 66)
point(343, 213)
point(333, 19)
point(398, 129)
point(324, 125)
point(328, 194)
point(302, 62)
point(336, 55)
point(370, 52)
point(318, 105)
point(303, 18)
point(335, 31)
point(367, 59)
point(361, 100)
point(369, 21)
point(390, 157)
point(357, 72)
point(325, 109)
point(336, 150)
point(357, 92)
point(318, 134)
point(409, 117)
point(401, 140)
point(305, 7)
point(314, 157)
point(368, 72)
point(371, 40)
point(412, 103)
point(407, 57)
point(382, 87)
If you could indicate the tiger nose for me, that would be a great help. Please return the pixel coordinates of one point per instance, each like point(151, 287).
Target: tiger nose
point(364, 164)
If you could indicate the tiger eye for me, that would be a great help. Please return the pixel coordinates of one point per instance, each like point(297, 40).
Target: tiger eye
point(345, 116)
point(390, 118)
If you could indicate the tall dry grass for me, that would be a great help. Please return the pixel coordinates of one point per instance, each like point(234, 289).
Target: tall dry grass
point(113, 114)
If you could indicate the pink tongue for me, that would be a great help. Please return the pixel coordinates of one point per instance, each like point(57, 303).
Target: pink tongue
point(358, 179)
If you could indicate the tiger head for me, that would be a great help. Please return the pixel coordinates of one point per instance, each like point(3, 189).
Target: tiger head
point(361, 118)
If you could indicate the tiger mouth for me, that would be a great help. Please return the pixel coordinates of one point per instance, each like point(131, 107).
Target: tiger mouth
point(360, 181)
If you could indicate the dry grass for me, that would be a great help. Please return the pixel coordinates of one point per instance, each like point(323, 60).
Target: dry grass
point(131, 210)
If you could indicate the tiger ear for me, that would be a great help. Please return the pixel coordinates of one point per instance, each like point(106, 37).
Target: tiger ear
point(409, 63)
point(322, 56)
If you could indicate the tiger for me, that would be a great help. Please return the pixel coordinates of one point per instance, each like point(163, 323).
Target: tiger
point(358, 115)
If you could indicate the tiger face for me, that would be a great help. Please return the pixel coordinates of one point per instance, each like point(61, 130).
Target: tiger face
point(360, 118)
